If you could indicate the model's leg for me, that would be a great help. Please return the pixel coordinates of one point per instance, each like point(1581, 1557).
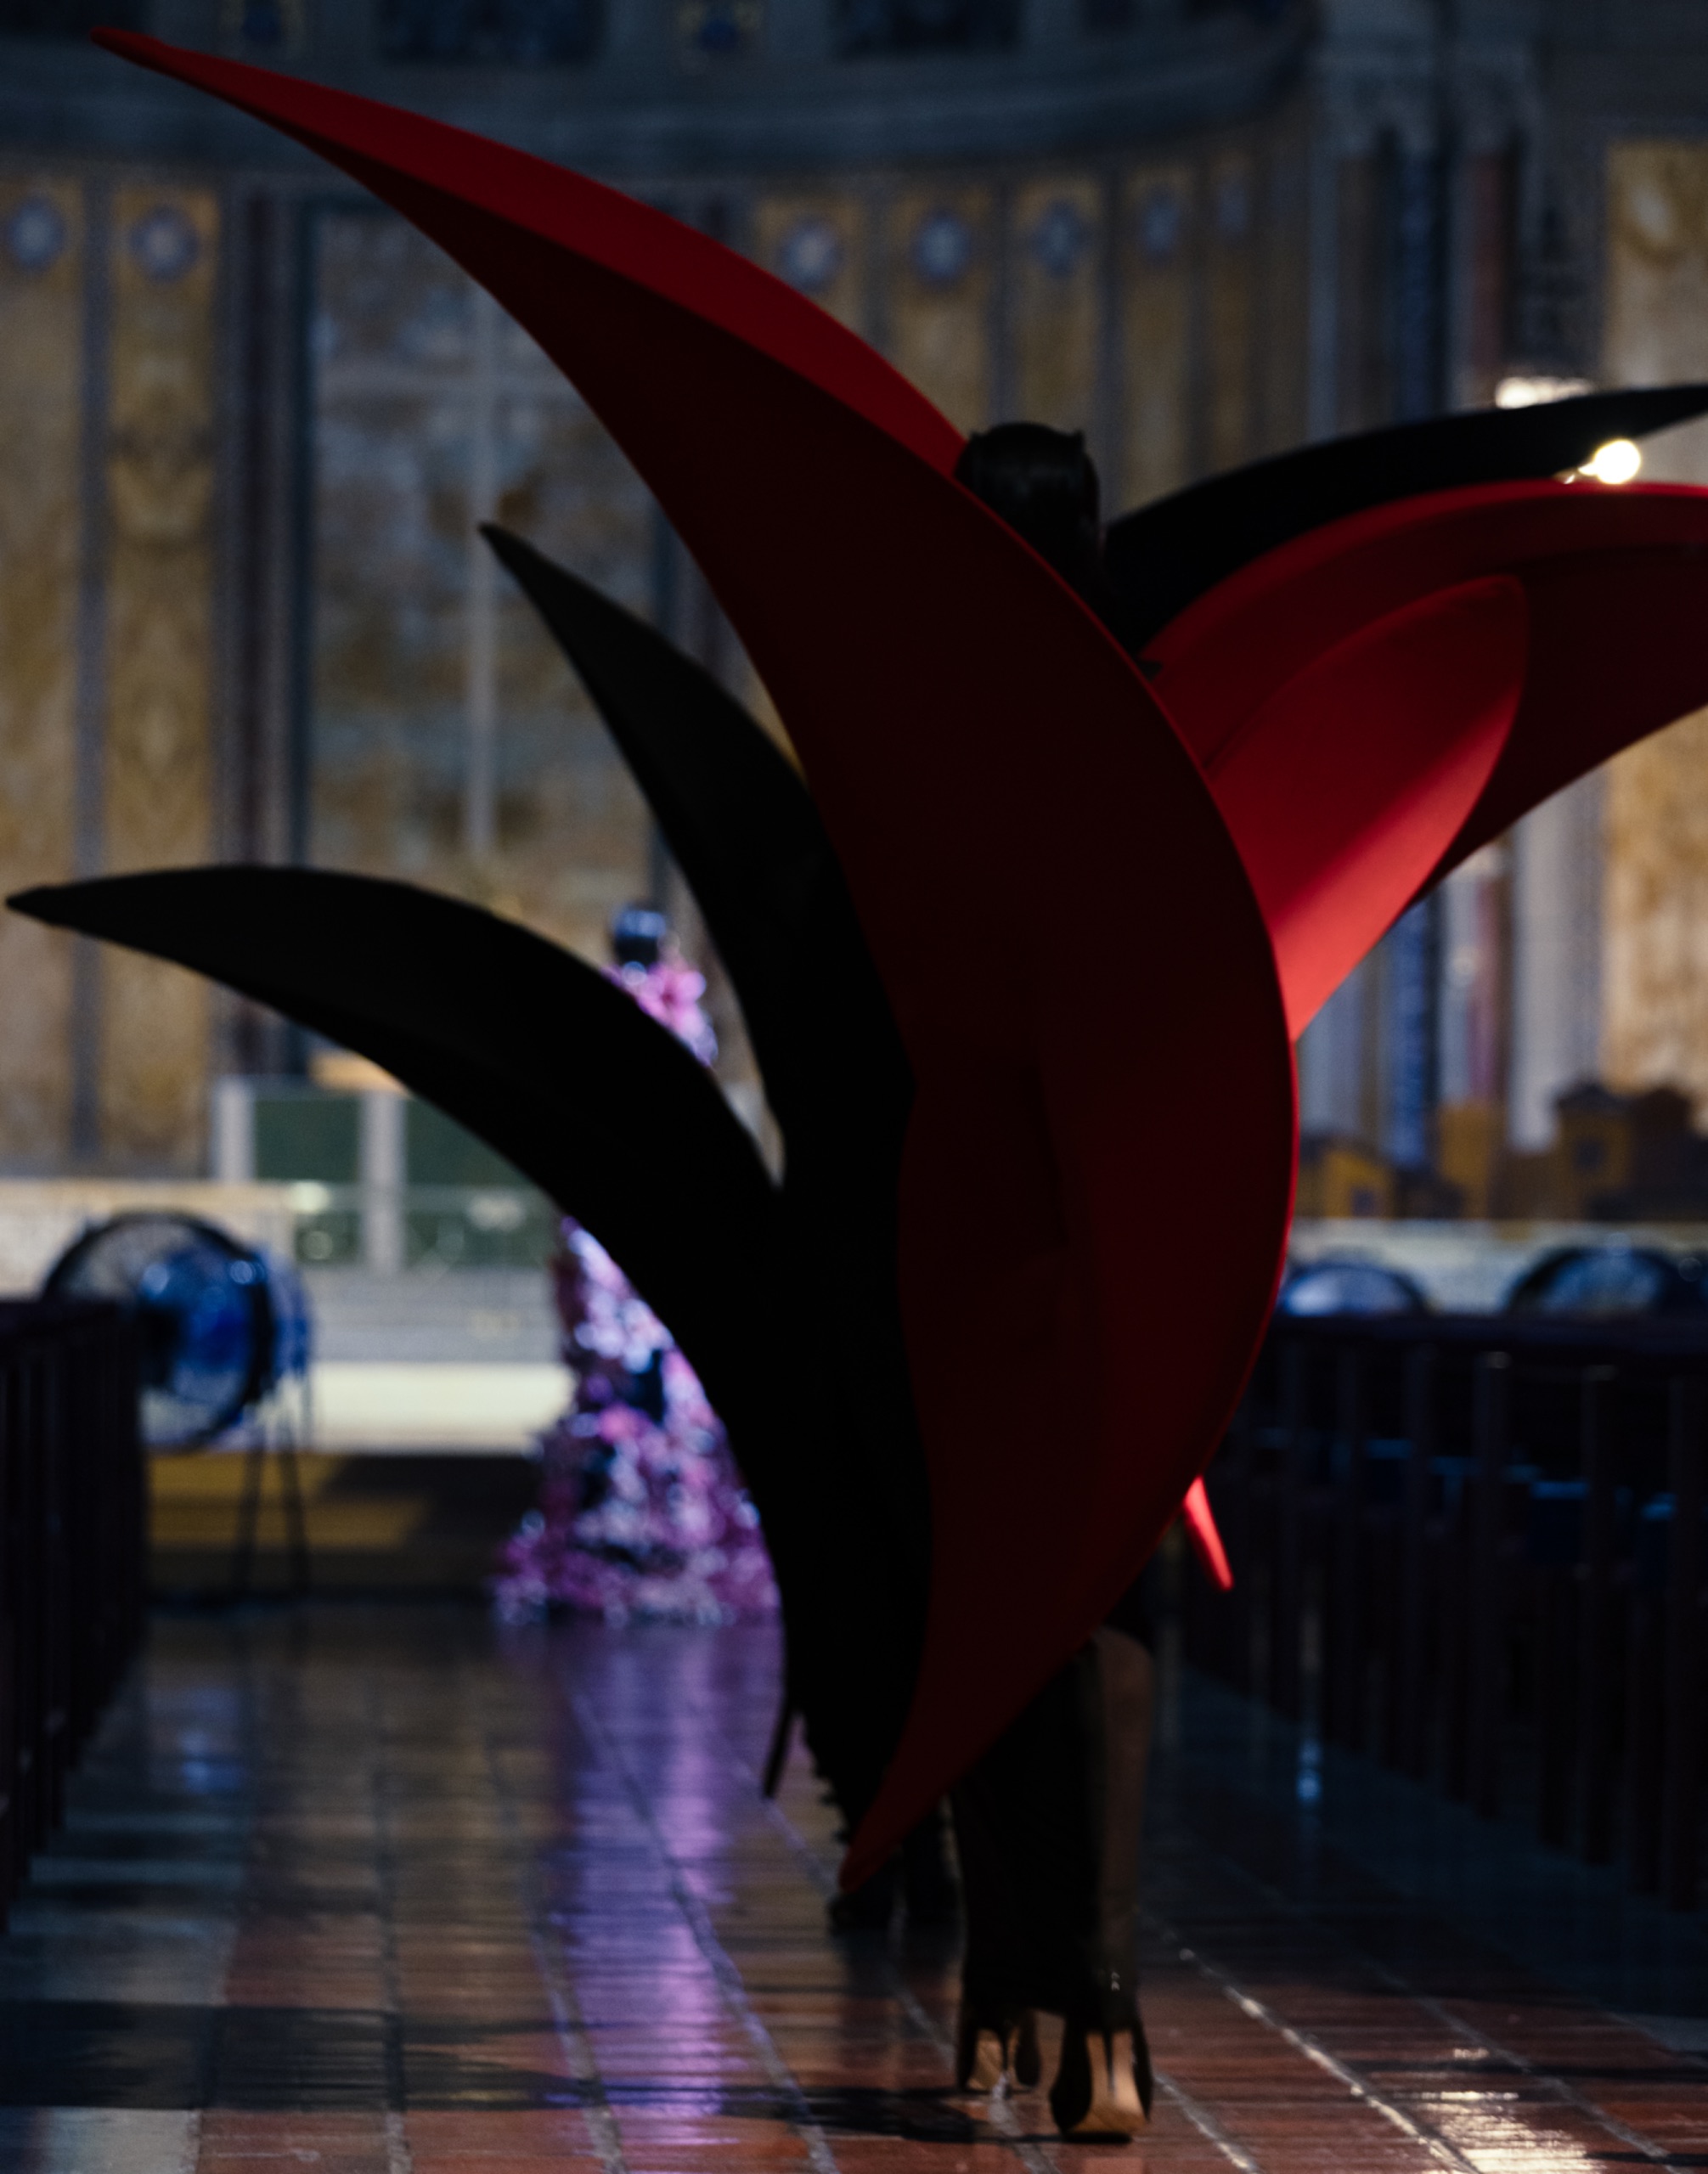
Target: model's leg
point(929, 1893)
point(1103, 2085)
point(997, 2034)
point(1048, 1826)
point(1027, 1827)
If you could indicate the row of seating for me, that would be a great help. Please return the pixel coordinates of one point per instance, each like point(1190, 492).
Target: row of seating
point(1477, 1546)
point(73, 1539)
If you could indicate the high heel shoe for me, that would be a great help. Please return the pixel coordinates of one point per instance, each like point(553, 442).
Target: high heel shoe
point(1104, 2085)
point(992, 2048)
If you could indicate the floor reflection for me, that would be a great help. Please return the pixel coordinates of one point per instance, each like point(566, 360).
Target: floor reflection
point(389, 1891)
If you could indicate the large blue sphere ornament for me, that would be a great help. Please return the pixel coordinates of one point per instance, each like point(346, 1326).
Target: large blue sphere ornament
point(219, 1323)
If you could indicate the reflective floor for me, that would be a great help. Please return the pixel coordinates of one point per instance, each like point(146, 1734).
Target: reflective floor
point(383, 1890)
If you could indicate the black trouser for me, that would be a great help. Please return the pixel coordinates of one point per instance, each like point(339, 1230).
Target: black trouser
point(1048, 1826)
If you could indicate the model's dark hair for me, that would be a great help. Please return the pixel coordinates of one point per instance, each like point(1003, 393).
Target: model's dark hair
point(1044, 484)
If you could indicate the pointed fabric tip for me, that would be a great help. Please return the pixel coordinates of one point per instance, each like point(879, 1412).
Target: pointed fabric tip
point(1162, 557)
point(1201, 1531)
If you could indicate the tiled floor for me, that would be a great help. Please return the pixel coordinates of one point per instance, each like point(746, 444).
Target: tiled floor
point(377, 1891)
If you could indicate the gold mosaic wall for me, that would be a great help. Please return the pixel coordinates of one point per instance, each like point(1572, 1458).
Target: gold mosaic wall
point(1654, 975)
point(40, 376)
point(939, 314)
point(1656, 322)
point(1119, 300)
point(1655, 954)
point(433, 412)
point(1174, 338)
point(820, 243)
point(1156, 222)
point(1230, 331)
point(139, 663)
point(1281, 250)
point(1057, 308)
point(157, 787)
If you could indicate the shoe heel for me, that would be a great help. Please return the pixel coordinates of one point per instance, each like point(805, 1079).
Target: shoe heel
point(984, 2063)
point(1106, 2103)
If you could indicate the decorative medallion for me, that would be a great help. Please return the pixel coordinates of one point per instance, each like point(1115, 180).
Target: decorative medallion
point(164, 243)
point(810, 254)
point(711, 31)
point(1233, 208)
point(1162, 220)
point(261, 25)
point(942, 248)
point(1061, 238)
point(35, 234)
point(482, 33)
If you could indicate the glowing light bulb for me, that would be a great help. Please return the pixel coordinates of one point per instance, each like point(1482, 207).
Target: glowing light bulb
point(1616, 462)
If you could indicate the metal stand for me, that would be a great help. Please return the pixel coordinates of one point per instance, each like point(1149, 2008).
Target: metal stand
point(249, 1510)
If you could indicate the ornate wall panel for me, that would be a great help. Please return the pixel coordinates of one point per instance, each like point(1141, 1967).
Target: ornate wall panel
point(1363, 298)
point(1230, 327)
point(1656, 322)
point(1055, 286)
point(940, 248)
point(818, 243)
point(1155, 249)
point(160, 633)
point(1490, 232)
point(1654, 937)
point(451, 746)
point(1282, 356)
point(1655, 979)
point(40, 377)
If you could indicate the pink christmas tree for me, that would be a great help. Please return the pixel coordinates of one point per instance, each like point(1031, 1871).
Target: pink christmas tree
point(641, 1511)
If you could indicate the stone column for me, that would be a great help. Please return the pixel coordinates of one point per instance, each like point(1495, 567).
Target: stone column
point(232, 1155)
point(1409, 1046)
point(384, 1117)
point(1556, 960)
point(1331, 1060)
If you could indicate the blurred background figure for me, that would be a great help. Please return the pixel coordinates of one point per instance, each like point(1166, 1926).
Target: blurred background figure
point(641, 1511)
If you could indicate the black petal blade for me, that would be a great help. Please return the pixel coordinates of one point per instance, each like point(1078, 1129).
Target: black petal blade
point(514, 1038)
point(1163, 556)
point(747, 836)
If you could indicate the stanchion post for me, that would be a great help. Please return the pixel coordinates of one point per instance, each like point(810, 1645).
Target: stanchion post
point(1598, 1672)
point(1287, 1586)
point(1487, 1657)
point(1408, 1732)
point(1344, 1671)
point(1682, 1758)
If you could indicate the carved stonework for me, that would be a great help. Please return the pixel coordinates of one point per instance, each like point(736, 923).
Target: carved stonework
point(1655, 976)
point(41, 358)
point(158, 782)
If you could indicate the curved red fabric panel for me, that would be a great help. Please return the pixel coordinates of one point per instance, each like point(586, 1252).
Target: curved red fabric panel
point(1343, 788)
point(1076, 961)
point(1615, 582)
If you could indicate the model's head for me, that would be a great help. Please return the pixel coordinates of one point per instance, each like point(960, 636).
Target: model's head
point(637, 936)
point(1043, 484)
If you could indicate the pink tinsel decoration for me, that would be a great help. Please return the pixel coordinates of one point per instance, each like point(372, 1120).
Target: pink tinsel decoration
point(641, 1511)
point(669, 991)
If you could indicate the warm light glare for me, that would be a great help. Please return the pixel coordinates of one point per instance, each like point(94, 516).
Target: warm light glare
point(1616, 462)
point(1534, 391)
